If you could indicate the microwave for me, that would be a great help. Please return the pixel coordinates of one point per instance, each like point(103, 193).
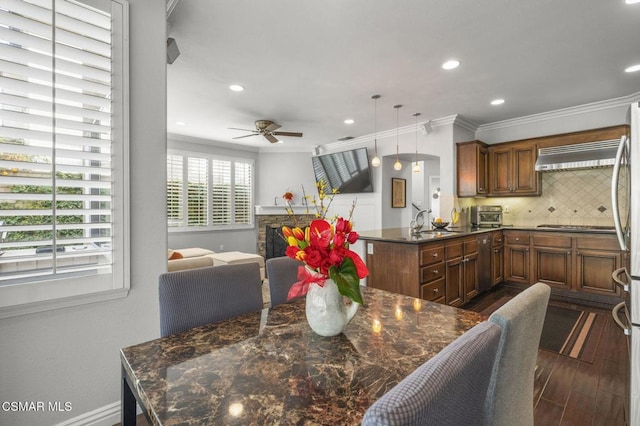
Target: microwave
point(490, 216)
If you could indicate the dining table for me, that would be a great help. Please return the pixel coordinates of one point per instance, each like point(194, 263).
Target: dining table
point(269, 367)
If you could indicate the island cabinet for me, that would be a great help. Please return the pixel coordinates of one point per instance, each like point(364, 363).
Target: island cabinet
point(497, 258)
point(517, 259)
point(473, 169)
point(512, 170)
point(432, 279)
point(461, 278)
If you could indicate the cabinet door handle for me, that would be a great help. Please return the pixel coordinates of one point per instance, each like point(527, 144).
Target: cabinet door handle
point(435, 271)
point(435, 290)
point(496, 251)
point(435, 255)
point(517, 239)
point(526, 249)
point(570, 252)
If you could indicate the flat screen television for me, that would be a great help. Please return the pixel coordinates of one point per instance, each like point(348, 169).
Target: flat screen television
point(346, 171)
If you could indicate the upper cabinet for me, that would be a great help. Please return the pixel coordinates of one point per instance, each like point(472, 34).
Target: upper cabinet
point(512, 170)
point(473, 169)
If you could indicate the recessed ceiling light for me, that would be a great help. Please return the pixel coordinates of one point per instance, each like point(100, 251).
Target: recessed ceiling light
point(497, 102)
point(181, 123)
point(449, 65)
point(632, 1)
point(236, 88)
point(633, 68)
point(349, 121)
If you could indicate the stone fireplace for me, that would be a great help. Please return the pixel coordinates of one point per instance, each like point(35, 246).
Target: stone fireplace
point(270, 241)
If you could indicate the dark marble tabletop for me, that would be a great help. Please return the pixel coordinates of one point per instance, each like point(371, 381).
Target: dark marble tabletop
point(271, 368)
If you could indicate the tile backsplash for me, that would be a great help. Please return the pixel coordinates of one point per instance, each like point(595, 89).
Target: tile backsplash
point(573, 197)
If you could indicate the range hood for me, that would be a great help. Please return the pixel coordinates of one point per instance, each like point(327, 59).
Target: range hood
point(588, 155)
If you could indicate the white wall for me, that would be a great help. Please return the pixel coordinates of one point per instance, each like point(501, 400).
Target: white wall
point(280, 172)
point(72, 354)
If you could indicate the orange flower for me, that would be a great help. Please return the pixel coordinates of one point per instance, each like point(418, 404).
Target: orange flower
point(288, 196)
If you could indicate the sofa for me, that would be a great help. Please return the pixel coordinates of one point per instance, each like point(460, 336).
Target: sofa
point(189, 258)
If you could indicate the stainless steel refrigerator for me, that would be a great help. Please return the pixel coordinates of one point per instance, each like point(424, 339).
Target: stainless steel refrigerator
point(625, 194)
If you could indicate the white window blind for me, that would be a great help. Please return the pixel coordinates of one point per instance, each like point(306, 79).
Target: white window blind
point(57, 152)
point(197, 192)
point(175, 188)
point(219, 195)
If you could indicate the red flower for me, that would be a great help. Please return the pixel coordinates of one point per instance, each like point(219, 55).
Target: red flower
point(320, 234)
point(313, 257)
point(361, 267)
point(338, 239)
point(343, 225)
point(352, 237)
point(288, 196)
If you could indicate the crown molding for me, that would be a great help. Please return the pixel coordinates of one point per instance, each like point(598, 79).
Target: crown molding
point(408, 129)
point(561, 113)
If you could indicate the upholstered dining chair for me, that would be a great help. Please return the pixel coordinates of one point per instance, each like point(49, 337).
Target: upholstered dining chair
point(195, 297)
point(282, 272)
point(448, 390)
point(510, 400)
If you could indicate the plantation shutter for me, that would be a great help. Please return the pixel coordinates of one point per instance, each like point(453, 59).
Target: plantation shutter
point(242, 195)
point(175, 188)
point(221, 192)
point(197, 192)
point(55, 139)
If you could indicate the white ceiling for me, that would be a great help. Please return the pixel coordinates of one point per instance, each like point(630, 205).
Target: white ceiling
point(308, 65)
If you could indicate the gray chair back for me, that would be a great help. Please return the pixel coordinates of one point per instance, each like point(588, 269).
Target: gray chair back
point(195, 297)
point(449, 389)
point(510, 400)
point(282, 272)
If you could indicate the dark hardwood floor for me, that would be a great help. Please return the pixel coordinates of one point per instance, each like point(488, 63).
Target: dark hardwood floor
point(570, 391)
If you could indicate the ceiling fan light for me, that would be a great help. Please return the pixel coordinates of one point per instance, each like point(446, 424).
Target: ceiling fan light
point(375, 161)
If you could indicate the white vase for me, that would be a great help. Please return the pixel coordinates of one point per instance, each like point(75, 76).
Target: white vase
point(327, 313)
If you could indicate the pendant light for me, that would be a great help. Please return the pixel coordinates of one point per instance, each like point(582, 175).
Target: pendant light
point(416, 166)
point(375, 161)
point(397, 165)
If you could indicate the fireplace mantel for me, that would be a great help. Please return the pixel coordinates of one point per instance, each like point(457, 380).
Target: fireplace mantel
point(282, 209)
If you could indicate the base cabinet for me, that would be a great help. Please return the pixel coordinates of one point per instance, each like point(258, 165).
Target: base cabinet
point(497, 258)
point(517, 257)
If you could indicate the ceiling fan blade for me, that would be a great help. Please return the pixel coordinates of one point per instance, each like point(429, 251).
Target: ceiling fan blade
point(245, 136)
point(271, 127)
point(293, 134)
point(271, 138)
point(246, 130)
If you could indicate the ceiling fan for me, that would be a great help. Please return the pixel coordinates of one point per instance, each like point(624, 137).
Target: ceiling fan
point(267, 128)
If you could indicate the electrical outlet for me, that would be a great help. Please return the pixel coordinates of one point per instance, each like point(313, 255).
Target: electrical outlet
point(506, 209)
point(369, 248)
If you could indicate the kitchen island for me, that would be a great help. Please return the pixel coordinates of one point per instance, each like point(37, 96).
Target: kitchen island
point(452, 266)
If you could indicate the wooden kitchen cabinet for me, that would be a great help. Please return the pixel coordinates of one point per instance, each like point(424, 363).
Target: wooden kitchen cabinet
point(552, 259)
point(596, 259)
point(497, 258)
point(472, 168)
point(517, 257)
point(512, 170)
point(461, 270)
point(575, 262)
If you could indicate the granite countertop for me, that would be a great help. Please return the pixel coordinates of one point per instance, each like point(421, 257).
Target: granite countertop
point(271, 368)
point(404, 235)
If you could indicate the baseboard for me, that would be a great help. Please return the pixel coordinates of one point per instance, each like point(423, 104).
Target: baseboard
point(107, 415)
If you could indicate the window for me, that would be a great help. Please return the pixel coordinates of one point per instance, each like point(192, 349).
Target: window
point(218, 193)
point(63, 121)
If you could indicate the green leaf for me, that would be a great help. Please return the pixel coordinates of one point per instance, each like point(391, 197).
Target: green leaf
point(346, 278)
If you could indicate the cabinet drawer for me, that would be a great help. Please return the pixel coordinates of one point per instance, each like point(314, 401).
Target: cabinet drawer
point(454, 250)
point(431, 254)
point(497, 239)
point(598, 243)
point(470, 246)
point(549, 240)
point(517, 239)
point(431, 272)
point(433, 290)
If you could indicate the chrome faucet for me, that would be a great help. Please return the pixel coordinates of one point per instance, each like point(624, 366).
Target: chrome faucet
point(418, 221)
